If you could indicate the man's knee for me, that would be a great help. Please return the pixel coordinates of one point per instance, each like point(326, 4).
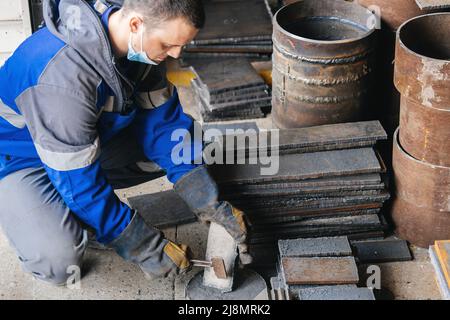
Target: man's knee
point(58, 264)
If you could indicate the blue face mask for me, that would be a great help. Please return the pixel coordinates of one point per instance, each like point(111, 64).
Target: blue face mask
point(138, 56)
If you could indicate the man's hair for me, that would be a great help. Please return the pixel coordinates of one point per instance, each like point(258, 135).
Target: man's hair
point(156, 11)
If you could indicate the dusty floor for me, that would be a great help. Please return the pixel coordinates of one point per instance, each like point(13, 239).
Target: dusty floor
point(107, 276)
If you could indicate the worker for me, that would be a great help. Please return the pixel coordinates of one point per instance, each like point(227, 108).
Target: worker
point(84, 109)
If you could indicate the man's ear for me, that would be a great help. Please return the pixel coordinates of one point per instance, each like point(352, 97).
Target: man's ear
point(135, 23)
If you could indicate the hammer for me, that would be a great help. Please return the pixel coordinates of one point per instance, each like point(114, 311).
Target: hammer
point(216, 263)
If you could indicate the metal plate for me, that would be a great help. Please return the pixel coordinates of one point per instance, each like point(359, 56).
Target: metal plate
point(325, 270)
point(350, 180)
point(382, 251)
point(163, 209)
point(333, 135)
point(294, 167)
point(336, 293)
point(315, 247)
point(268, 220)
point(230, 21)
point(222, 75)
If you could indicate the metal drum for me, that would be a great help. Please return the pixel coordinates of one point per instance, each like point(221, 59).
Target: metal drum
point(421, 207)
point(422, 76)
point(322, 63)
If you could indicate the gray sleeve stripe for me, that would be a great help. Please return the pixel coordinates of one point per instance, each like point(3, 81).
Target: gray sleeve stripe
point(15, 119)
point(65, 161)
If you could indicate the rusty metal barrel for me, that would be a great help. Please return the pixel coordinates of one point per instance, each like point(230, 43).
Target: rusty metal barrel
point(322, 63)
point(421, 207)
point(422, 76)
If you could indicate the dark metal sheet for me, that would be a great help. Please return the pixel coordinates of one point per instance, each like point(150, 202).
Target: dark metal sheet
point(230, 21)
point(351, 180)
point(280, 219)
point(221, 75)
point(335, 293)
point(239, 94)
point(247, 103)
point(326, 208)
point(189, 56)
point(162, 209)
point(294, 202)
point(253, 114)
point(364, 232)
point(231, 48)
point(315, 247)
point(223, 127)
point(230, 95)
point(311, 192)
point(334, 134)
point(382, 251)
point(303, 166)
point(355, 221)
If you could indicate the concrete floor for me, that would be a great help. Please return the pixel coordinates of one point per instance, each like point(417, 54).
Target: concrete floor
point(107, 276)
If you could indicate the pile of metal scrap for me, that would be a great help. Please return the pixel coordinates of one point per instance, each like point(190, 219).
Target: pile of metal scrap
point(421, 151)
point(328, 183)
point(317, 269)
point(229, 89)
point(440, 258)
point(234, 28)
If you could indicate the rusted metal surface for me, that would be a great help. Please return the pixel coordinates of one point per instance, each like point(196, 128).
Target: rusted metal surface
point(421, 206)
point(393, 12)
point(422, 76)
point(322, 63)
point(325, 270)
point(425, 132)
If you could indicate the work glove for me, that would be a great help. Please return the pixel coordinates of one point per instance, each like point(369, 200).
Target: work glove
point(200, 192)
point(146, 246)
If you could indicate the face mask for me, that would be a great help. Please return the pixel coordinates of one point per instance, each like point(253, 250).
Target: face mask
point(139, 56)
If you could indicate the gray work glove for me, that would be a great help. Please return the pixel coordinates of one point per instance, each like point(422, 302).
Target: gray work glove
point(146, 246)
point(200, 192)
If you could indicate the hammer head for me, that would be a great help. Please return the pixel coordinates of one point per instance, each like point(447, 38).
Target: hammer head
point(218, 266)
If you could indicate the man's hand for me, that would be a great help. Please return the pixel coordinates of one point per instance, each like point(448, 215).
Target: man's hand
point(200, 193)
point(146, 246)
point(175, 260)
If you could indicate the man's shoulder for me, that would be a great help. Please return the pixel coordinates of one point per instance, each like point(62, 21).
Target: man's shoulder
point(44, 59)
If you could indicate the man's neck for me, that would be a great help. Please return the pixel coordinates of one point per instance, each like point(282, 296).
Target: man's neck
point(118, 44)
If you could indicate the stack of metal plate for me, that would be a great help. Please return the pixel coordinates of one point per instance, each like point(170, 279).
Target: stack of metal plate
point(329, 182)
point(229, 89)
point(231, 31)
point(317, 269)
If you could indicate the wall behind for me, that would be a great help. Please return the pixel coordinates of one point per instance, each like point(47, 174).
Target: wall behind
point(15, 26)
